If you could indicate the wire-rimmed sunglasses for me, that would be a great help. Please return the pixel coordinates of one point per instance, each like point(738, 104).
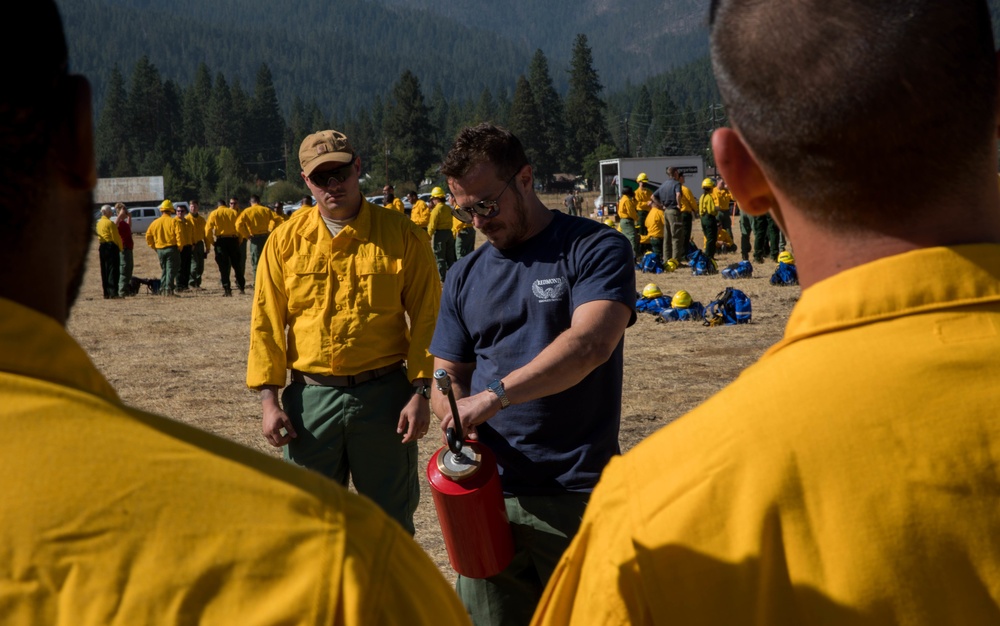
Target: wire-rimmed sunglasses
point(484, 208)
point(326, 178)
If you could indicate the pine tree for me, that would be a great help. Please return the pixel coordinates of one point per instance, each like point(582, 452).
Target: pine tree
point(584, 107)
point(144, 114)
point(111, 139)
point(486, 108)
point(526, 123)
point(195, 109)
point(220, 131)
point(640, 125)
point(550, 112)
point(240, 112)
point(267, 127)
point(408, 130)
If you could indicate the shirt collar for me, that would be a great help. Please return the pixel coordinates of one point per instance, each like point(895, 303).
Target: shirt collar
point(36, 346)
point(919, 281)
point(359, 229)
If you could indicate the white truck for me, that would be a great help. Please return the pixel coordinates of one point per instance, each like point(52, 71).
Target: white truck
point(616, 174)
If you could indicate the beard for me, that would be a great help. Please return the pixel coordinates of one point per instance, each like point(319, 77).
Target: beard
point(84, 206)
point(514, 230)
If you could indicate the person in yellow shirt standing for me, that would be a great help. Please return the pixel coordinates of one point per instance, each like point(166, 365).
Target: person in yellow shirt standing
point(723, 201)
point(420, 213)
point(627, 217)
point(164, 237)
point(857, 482)
point(198, 249)
point(222, 235)
point(689, 208)
point(113, 515)
point(643, 201)
point(254, 225)
point(185, 243)
point(707, 213)
point(277, 216)
point(390, 201)
point(109, 249)
point(347, 300)
point(439, 228)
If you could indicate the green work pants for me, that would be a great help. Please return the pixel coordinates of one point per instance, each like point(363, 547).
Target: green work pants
point(674, 245)
point(227, 255)
point(170, 263)
point(197, 264)
point(110, 261)
point(765, 238)
point(628, 229)
point(125, 273)
point(710, 227)
point(465, 243)
point(242, 267)
point(543, 527)
point(351, 431)
point(444, 251)
point(641, 225)
point(256, 248)
point(746, 228)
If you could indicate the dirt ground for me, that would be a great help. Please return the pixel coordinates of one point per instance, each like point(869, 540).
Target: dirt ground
point(185, 357)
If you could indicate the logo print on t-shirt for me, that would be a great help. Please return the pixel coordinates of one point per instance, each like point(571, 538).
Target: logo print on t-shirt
point(549, 289)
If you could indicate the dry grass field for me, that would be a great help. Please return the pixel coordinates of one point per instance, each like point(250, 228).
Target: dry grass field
point(185, 357)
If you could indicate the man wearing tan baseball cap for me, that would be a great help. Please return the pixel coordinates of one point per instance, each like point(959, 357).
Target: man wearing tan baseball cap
point(336, 286)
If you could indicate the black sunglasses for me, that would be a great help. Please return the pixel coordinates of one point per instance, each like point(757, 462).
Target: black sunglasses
point(326, 178)
point(484, 208)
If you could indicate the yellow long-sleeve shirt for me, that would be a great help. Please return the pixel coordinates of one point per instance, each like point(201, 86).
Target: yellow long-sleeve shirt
point(722, 199)
point(440, 218)
point(396, 205)
point(277, 220)
point(654, 223)
point(626, 209)
point(458, 225)
point(343, 300)
point(107, 232)
point(643, 199)
point(706, 205)
point(163, 232)
point(863, 493)
point(420, 214)
point(185, 232)
point(688, 202)
point(254, 220)
point(153, 521)
point(221, 223)
point(198, 223)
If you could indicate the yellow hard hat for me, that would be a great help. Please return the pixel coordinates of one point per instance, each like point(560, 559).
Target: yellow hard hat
point(786, 258)
point(708, 183)
point(672, 264)
point(651, 291)
point(167, 206)
point(437, 192)
point(609, 222)
point(642, 178)
point(681, 300)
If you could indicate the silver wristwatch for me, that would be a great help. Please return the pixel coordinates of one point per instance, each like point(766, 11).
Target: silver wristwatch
point(496, 388)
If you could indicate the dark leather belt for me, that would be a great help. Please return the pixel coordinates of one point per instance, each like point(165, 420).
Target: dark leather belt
point(344, 381)
point(226, 237)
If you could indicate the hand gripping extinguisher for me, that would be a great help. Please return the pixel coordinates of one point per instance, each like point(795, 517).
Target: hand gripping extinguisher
point(469, 501)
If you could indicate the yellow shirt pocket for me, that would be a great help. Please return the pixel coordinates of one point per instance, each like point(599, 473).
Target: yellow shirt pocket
point(307, 285)
point(380, 283)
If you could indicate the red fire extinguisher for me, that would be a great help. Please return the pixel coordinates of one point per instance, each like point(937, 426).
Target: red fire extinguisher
point(469, 501)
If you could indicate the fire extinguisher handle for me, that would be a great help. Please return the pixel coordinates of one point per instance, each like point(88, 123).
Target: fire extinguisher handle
point(454, 433)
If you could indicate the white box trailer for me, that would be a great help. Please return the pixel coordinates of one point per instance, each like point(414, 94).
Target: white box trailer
point(616, 174)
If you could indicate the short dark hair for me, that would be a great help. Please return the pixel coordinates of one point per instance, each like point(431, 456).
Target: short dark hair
point(254, 199)
point(33, 112)
point(829, 95)
point(484, 143)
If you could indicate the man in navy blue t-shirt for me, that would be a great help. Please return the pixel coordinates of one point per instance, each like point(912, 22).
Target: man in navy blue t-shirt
point(531, 331)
